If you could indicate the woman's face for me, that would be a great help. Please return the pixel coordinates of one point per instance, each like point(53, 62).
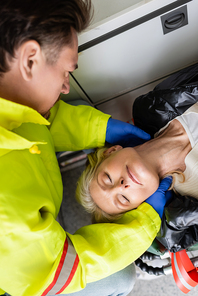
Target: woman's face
point(122, 181)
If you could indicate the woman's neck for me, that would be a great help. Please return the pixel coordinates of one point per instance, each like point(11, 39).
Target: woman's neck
point(166, 153)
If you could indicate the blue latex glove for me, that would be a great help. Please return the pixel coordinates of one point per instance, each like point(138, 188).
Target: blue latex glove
point(125, 134)
point(161, 196)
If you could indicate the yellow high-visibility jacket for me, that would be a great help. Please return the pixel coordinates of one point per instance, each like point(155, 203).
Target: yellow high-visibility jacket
point(37, 257)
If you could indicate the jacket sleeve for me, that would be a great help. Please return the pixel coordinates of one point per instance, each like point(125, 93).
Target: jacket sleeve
point(106, 248)
point(77, 127)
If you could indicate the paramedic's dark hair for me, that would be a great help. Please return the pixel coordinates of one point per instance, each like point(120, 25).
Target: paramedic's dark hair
point(48, 22)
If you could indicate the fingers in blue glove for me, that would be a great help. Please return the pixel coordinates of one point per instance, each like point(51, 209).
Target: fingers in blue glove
point(165, 184)
point(136, 131)
point(169, 195)
point(159, 198)
point(125, 134)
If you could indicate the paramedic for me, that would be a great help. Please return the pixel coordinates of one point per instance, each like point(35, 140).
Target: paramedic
point(38, 49)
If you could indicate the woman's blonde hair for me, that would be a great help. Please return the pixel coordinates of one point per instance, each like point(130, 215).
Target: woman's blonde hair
point(83, 195)
point(172, 174)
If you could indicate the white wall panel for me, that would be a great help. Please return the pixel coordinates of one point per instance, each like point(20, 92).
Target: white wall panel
point(111, 71)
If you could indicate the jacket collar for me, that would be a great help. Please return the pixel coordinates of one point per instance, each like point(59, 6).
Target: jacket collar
point(12, 115)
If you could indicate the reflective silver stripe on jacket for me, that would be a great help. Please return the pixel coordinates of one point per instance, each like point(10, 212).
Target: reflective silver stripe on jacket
point(65, 271)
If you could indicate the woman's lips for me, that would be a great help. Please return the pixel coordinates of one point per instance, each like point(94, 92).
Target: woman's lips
point(132, 177)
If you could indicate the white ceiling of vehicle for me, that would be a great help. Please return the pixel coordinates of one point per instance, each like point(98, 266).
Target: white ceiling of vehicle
point(106, 8)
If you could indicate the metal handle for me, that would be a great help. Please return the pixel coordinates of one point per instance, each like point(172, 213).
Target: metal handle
point(175, 21)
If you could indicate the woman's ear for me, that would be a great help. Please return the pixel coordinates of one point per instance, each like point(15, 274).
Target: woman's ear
point(112, 149)
point(29, 57)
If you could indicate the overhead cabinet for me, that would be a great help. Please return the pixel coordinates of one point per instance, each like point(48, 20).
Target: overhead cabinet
point(132, 50)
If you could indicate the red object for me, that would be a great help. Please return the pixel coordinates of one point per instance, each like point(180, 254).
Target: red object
point(184, 272)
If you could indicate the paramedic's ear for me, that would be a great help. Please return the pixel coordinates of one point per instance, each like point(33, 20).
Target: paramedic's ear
point(112, 149)
point(29, 57)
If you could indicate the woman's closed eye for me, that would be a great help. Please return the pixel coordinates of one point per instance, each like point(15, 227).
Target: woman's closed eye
point(124, 200)
point(108, 178)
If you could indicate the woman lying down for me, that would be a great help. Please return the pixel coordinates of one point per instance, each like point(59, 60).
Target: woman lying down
point(119, 179)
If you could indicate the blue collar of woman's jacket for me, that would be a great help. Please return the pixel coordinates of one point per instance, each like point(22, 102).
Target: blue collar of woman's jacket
point(12, 115)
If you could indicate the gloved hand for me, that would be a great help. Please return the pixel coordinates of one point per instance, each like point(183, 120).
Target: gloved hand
point(161, 196)
point(125, 134)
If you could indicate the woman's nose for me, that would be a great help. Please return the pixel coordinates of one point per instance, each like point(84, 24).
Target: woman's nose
point(124, 183)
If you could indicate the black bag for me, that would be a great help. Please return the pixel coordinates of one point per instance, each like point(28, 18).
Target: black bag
point(179, 228)
point(170, 98)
